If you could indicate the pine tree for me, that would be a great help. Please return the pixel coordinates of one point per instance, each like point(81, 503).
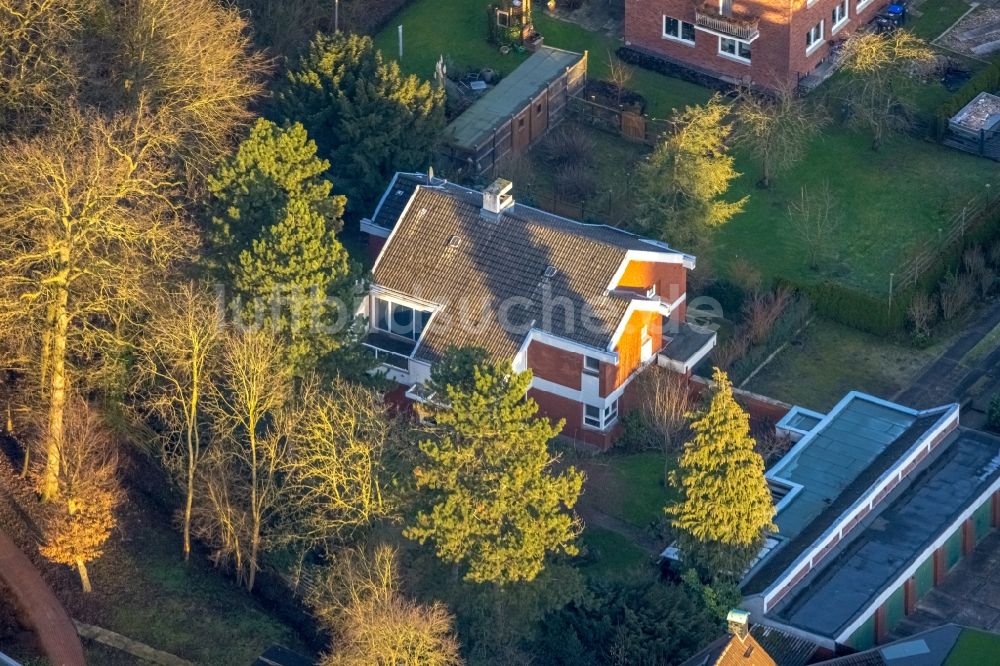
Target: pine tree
point(725, 505)
point(496, 506)
point(251, 191)
point(368, 119)
point(687, 175)
point(274, 225)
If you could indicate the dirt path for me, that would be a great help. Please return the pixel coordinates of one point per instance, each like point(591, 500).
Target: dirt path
point(42, 611)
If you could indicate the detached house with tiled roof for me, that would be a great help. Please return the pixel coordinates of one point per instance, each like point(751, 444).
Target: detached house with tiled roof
point(584, 307)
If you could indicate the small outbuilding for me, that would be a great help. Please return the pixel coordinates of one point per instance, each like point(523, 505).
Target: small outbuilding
point(517, 112)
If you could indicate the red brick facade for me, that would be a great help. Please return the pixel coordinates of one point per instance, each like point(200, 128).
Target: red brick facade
point(779, 56)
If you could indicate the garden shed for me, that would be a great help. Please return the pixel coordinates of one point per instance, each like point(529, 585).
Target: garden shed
point(517, 112)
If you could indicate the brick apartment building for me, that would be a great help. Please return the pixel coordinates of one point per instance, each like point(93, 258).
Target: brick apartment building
point(585, 307)
point(767, 43)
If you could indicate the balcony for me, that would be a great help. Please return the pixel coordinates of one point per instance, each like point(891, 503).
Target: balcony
point(390, 350)
point(726, 24)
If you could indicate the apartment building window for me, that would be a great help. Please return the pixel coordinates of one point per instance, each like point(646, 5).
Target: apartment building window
point(861, 5)
point(591, 365)
point(681, 31)
point(838, 17)
point(400, 320)
point(600, 418)
point(734, 48)
point(814, 37)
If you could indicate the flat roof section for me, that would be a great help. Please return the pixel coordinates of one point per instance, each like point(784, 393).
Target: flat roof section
point(509, 96)
point(945, 485)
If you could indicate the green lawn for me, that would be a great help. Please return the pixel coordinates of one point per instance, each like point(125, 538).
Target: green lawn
point(936, 17)
point(457, 29)
point(609, 553)
point(629, 487)
point(973, 648)
point(829, 359)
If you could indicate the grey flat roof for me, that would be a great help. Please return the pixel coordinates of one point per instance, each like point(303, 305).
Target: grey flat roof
point(836, 463)
point(510, 95)
point(686, 342)
point(845, 585)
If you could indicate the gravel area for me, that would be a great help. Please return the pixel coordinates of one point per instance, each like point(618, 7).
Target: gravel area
point(975, 33)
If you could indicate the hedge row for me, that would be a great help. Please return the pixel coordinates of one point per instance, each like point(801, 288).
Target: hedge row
point(655, 63)
point(794, 317)
point(987, 80)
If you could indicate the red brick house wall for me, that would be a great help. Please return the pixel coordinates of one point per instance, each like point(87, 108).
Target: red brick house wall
point(778, 55)
point(555, 365)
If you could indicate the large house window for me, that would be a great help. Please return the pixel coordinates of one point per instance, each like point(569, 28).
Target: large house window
point(398, 319)
point(814, 37)
point(600, 418)
point(734, 48)
point(838, 16)
point(681, 31)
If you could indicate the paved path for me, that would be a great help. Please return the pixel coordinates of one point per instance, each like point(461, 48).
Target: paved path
point(52, 626)
point(950, 378)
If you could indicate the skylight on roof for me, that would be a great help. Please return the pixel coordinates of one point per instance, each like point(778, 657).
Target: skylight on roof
point(454, 241)
point(550, 271)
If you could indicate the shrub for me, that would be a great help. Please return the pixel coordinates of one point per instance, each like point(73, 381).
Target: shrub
point(859, 309)
point(956, 293)
point(762, 310)
point(745, 275)
point(987, 279)
point(727, 352)
point(567, 146)
point(974, 261)
point(922, 313)
point(575, 182)
point(637, 434)
point(994, 254)
point(993, 414)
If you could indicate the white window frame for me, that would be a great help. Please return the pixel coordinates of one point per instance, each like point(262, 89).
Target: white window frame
point(679, 37)
point(735, 56)
point(591, 365)
point(651, 292)
point(506, 18)
point(861, 4)
point(414, 335)
point(845, 17)
point(817, 41)
point(605, 416)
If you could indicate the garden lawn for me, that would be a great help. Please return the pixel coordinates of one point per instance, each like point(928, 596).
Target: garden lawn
point(887, 202)
point(936, 17)
point(828, 360)
point(609, 553)
point(457, 29)
point(629, 487)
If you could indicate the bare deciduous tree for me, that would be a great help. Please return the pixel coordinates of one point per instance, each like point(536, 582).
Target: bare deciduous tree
point(37, 72)
point(762, 310)
point(665, 401)
point(922, 312)
point(79, 522)
point(240, 481)
point(373, 623)
point(179, 367)
point(189, 64)
point(776, 129)
point(87, 228)
point(620, 74)
point(335, 472)
point(816, 220)
point(881, 66)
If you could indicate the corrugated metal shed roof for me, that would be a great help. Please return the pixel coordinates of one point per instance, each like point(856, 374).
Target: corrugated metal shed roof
point(511, 95)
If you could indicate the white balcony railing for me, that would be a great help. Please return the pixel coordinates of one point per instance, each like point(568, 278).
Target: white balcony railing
point(743, 28)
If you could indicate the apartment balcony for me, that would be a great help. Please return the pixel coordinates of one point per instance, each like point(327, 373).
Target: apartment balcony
point(389, 350)
point(726, 23)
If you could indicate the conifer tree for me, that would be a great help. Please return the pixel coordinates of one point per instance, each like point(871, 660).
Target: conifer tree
point(274, 225)
point(251, 190)
point(687, 175)
point(496, 506)
point(368, 119)
point(725, 506)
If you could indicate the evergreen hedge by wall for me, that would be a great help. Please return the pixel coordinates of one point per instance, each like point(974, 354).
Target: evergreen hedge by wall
point(987, 80)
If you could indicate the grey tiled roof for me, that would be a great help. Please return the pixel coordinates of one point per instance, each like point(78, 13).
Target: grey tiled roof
point(444, 252)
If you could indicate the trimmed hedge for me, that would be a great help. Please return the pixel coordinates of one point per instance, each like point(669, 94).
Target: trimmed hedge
point(858, 309)
point(655, 63)
point(987, 80)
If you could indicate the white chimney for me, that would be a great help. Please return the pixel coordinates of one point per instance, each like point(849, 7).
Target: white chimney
point(739, 623)
point(496, 199)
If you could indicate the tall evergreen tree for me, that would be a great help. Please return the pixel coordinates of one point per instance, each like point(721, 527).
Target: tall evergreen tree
point(368, 119)
point(725, 505)
point(251, 190)
point(273, 227)
point(496, 506)
point(687, 175)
